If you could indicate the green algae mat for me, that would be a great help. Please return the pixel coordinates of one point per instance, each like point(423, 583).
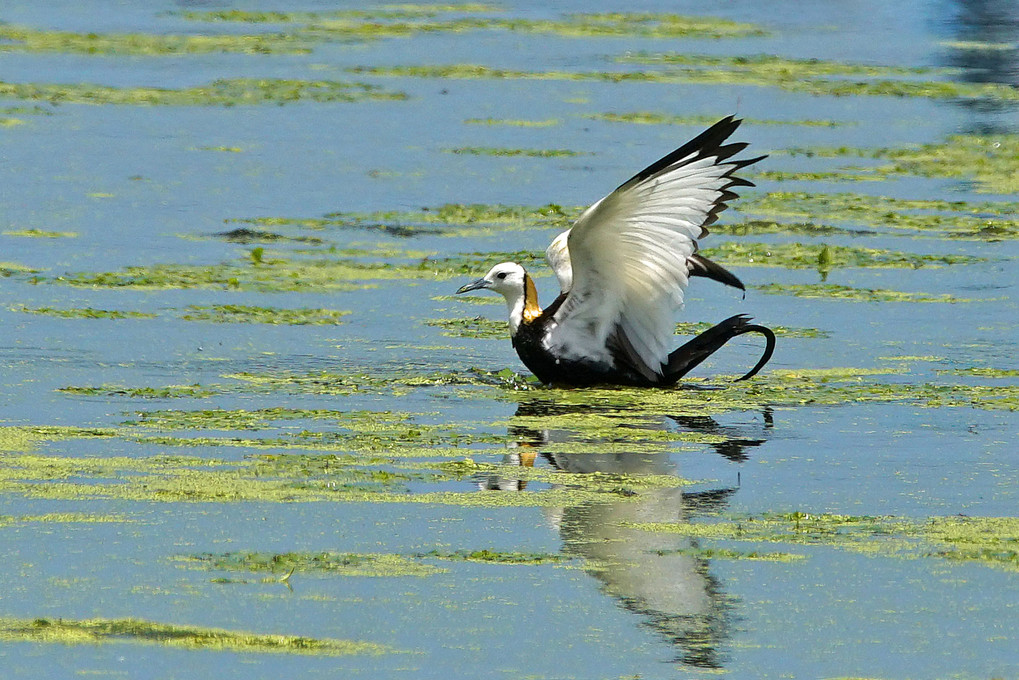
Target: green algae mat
point(247, 430)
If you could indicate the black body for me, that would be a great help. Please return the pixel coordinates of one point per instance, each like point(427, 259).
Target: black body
point(578, 373)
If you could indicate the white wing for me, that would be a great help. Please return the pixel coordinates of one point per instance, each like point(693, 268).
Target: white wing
point(558, 257)
point(627, 254)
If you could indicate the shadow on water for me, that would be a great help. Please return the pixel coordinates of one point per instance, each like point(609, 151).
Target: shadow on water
point(986, 35)
point(663, 578)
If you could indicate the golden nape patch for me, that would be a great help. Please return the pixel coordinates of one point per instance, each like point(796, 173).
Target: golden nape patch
point(532, 310)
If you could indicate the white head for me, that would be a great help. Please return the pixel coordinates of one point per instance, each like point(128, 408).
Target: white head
point(511, 281)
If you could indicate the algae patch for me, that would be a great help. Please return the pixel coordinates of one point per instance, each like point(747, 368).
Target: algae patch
point(25, 437)
point(405, 20)
point(990, 541)
point(33, 40)
point(108, 631)
point(657, 118)
point(319, 270)
point(476, 327)
point(449, 218)
point(778, 68)
point(984, 372)
point(343, 564)
point(61, 518)
point(39, 233)
point(509, 153)
point(304, 275)
point(8, 269)
point(986, 220)
point(988, 161)
point(831, 291)
point(222, 92)
point(805, 76)
point(487, 556)
point(83, 313)
point(194, 391)
point(814, 256)
point(393, 11)
point(513, 122)
point(265, 315)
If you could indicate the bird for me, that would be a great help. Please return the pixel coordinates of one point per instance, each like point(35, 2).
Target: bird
point(623, 268)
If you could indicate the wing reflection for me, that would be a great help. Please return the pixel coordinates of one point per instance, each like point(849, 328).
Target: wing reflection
point(987, 35)
point(659, 576)
point(986, 49)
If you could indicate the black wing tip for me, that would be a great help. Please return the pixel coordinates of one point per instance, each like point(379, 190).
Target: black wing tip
point(699, 265)
point(709, 143)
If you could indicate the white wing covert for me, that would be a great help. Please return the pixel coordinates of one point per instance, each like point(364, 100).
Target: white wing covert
point(558, 257)
point(624, 264)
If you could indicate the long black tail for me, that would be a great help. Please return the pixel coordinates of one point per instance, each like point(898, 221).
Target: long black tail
point(685, 358)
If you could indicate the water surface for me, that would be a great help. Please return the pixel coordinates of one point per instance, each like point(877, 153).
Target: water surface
point(295, 430)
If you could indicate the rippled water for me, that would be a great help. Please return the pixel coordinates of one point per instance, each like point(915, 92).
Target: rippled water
point(163, 430)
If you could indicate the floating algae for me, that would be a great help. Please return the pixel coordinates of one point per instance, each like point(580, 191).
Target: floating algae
point(279, 479)
point(830, 291)
point(240, 419)
point(457, 216)
point(487, 556)
point(266, 315)
point(603, 482)
point(940, 218)
point(476, 327)
point(990, 541)
point(61, 518)
point(222, 92)
point(788, 74)
point(166, 392)
point(403, 20)
point(27, 437)
point(109, 631)
point(730, 554)
point(325, 455)
point(14, 269)
point(83, 313)
point(260, 270)
point(183, 479)
point(365, 381)
point(276, 275)
point(988, 161)
point(656, 118)
point(779, 212)
point(28, 39)
point(39, 233)
point(341, 564)
point(509, 153)
point(779, 68)
point(984, 372)
point(807, 256)
point(513, 122)
point(245, 235)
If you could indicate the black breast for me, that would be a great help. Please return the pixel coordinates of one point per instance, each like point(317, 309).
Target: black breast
point(556, 370)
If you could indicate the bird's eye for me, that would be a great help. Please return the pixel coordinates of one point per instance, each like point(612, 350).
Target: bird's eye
point(500, 275)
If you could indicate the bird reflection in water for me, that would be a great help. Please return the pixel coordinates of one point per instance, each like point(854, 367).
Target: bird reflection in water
point(985, 41)
point(661, 577)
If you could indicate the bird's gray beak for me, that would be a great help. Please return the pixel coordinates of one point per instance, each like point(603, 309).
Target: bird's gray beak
point(475, 285)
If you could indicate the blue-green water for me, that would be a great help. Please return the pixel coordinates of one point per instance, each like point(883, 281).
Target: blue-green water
point(133, 185)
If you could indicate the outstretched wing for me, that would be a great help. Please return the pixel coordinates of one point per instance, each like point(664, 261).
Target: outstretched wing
point(628, 254)
point(558, 257)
